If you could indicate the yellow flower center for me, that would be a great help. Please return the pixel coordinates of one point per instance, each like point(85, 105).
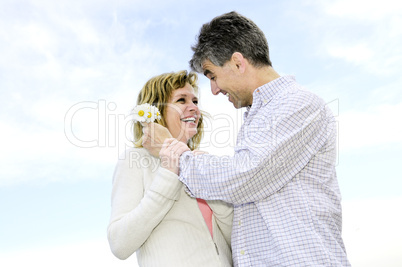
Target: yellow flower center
point(141, 113)
point(149, 115)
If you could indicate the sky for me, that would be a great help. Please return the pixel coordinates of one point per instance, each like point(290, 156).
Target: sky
point(70, 72)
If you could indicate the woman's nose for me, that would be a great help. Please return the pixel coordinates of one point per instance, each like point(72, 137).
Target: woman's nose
point(193, 107)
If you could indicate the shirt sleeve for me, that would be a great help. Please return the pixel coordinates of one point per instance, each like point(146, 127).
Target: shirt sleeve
point(136, 213)
point(223, 213)
point(274, 146)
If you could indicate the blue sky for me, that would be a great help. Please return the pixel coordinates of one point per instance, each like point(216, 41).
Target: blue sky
point(70, 72)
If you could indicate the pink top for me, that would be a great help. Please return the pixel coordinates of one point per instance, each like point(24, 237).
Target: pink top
point(206, 213)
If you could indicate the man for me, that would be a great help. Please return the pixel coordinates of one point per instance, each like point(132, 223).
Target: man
point(282, 179)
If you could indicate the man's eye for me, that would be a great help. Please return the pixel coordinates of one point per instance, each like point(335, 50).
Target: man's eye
point(212, 78)
point(195, 102)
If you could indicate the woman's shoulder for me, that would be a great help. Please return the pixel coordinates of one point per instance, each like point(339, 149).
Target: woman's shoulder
point(134, 153)
point(135, 161)
point(137, 158)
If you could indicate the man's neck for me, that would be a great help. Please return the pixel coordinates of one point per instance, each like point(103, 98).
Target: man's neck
point(263, 76)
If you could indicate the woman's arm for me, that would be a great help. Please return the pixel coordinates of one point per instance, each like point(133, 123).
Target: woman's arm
point(136, 213)
point(223, 212)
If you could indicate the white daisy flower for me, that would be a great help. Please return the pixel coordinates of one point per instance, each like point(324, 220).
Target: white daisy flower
point(146, 113)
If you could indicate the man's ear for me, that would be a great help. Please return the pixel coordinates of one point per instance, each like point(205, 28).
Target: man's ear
point(239, 62)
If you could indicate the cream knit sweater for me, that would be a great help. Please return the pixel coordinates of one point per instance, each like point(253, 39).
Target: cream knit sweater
point(152, 215)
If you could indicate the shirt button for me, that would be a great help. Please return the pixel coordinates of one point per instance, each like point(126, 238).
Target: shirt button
point(239, 222)
point(265, 101)
point(242, 252)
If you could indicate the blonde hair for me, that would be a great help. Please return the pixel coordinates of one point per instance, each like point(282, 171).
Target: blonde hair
point(157, 91)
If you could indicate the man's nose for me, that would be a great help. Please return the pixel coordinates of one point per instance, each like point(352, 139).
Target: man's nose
point(214, 88)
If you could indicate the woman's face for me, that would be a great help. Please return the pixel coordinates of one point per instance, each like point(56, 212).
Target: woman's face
point(182, 113)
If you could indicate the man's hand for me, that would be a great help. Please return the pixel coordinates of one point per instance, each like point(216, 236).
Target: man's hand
point(170, 154)
point(153, 137)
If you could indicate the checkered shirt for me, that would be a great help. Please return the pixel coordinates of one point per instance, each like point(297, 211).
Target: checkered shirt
point(281, 181)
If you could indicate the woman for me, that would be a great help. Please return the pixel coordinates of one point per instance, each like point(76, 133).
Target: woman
point(151, 212)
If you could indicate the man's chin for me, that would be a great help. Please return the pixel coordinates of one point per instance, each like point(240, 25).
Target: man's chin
point(237, 105)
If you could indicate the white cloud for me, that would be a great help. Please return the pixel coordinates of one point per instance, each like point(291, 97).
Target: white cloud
point(357, 54)
point(372, 232)
point(366, 34)
point(35, 36)
point(58, 56)
point(377, 126)
point(38, 151)
point(371, 10)
point(389, 92)
point(86, 253)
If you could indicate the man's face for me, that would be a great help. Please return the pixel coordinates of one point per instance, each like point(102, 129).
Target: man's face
point(228, 81)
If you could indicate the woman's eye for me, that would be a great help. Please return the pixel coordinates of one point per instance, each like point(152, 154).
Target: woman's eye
point(181, 100)
point(195, 102)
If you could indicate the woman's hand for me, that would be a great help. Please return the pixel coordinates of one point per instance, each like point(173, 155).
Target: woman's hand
point(153, 137)
point(170, 154)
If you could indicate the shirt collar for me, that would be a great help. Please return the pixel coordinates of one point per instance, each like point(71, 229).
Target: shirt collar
point(266, 92)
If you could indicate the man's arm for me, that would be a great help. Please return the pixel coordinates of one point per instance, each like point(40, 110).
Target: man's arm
point(270, 157)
